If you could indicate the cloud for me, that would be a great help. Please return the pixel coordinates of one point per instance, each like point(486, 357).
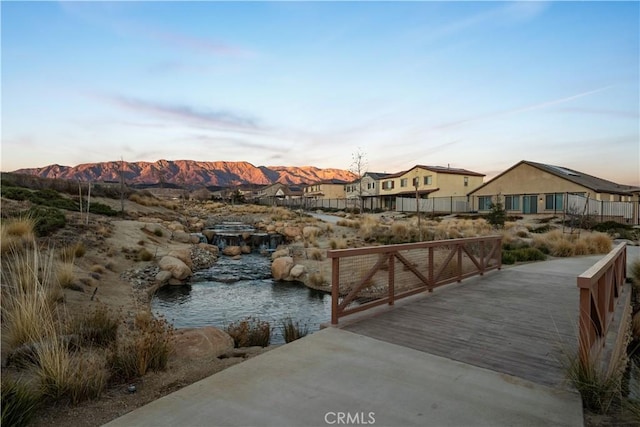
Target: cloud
point(199, 44)
point(519, 110)
point(188, 115)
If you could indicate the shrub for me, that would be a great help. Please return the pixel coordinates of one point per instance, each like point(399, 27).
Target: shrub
point(562, 248)
point(96, 327)
point(250, 332)
point(69, 253)
point(293, 330)
point(102, 209)
point(65, 275)
point(522, 255)
point(316, 279)
point(497, 214)
point(145, 255)
point(18, 403)
point(508, 257)
point(597, 389)
point(316, 255)
point(47, 219)
point(97, 268)
point(146, 348)
point(17, 233)
point(634, 271)
point(158, 232)
point(599, 243)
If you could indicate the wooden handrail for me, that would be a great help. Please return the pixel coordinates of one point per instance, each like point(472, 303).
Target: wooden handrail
point(461, 258)
point(600, 287)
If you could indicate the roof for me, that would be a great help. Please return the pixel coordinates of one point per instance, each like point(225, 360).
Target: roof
point(591, 182)
point(437, 169)
point(329, 181)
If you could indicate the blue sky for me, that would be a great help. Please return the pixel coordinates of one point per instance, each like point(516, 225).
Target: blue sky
point(477, 85)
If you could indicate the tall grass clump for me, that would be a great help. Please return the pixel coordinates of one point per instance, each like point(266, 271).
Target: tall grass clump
point(250, 332)
point(599, 243)
point(19, 403)
point(597, 388)
point(69, 253)
point(316, 255)
point(146, 347)
point(293, 330)
point(65, 275)
point(29, 295)
point(96, 327)
point(16, 233)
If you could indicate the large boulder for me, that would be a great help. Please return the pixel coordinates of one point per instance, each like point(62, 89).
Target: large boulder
point(198, 343)
point(179, 270)
point(281, 267)
point(209, 248)
point(163, 277)
point(297, 271)
point(182, 237)
point(175, 226)
point(245, 249)
point(232, 251)
point(279, 253)
point(291, 232)
point(183, 254)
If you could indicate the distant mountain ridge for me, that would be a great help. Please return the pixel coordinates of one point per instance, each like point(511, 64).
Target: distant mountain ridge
point(190, 173)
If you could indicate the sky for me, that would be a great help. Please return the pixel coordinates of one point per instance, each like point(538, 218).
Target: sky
point(473, 85)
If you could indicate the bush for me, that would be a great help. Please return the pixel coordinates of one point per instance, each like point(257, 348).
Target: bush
point(292, 331)
point(146, 348)
point(102, 209)
point(144, 255)
point(65, 275)
point(508, 257)
point(97, 327)
point(250, 332)
point(316, 255)
point(47, 219)
point(497, 214)
point(158, 232)
point(18, 403)
point(69, 253)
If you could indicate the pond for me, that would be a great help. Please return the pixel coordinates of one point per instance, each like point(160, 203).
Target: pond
point(232, 290)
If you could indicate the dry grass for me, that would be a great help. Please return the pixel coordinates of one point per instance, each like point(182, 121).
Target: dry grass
point(316, 279)
point(69, 253)
point(65, 275)
point(338, 244)
point(566, 245)
point(316, 255)
point(97, 268)
point(16, 234)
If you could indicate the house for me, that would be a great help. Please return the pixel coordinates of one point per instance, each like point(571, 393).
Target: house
point(422, 181)
point(537, 188)
point(329, 189)
point(367, 189)
point(278, 192)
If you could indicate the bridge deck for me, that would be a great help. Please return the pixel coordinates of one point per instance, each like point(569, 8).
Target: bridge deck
point(520, 321)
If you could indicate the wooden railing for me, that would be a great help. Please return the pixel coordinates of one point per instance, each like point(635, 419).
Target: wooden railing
point(367, 277)
point(600, 287)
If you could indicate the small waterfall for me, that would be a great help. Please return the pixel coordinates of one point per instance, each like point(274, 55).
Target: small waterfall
point(241, 234)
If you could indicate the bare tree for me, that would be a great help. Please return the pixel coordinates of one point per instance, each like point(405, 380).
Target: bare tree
point(359, 168)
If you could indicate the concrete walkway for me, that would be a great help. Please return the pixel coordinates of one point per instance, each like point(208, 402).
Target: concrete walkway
point(335, 373)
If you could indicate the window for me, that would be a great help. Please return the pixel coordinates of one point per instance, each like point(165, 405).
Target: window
point(368, 186)
point(512, 203)
point(484, 203)
point(466, 181)
point(553, 201)
point(403, 182)
point(415, 182)
point(387, 185)
point(427, 180)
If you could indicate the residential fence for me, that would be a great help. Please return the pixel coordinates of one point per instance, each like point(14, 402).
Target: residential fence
point(363, 278)
point(600, 210)
point(601, 293)
point(435, 205)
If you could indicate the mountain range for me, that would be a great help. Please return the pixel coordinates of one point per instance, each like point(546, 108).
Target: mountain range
point(190, 173)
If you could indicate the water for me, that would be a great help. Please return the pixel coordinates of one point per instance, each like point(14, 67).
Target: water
point(232, 290)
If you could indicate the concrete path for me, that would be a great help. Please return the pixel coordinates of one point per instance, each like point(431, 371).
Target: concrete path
point(335, 377)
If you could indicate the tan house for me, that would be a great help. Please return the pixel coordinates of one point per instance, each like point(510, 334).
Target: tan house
point(537, 188)
point(428, 182)
point(329, 189)
point(278, 191)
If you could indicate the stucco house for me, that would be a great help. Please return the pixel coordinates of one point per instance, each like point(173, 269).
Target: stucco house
point(278, 191)
point(367, 188)
point(428, 182)
point(329, 189)
point(538, 188)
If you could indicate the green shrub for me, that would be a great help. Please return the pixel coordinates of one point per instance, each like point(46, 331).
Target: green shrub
point(16, 193)
point(102, 209)
point(508, 257)
point(47, 219)
point(144, 255)
point(250, 332)
point(18, 403)
point(292, 331)
point(543, 229)
point(158, 232)
point(608, 226)
point(497, 214)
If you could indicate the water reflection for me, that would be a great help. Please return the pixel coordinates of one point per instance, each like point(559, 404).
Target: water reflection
point(235, 289)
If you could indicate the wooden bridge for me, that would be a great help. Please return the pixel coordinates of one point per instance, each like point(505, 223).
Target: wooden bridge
point(523, 321)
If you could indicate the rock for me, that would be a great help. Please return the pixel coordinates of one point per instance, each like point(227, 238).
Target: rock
point(246, 235)
point(194, 239)
point(213, 249)
point(310, 230)
point(179, 270)
point(279, 253)
point(245, 249)
point(175, 226)
point(209, 234)
point(271, 228)
point(281, 267)
point(183, 254)
point(297, 271)
point(182, 237)
point(197, 343)
point(163, 277)
point(232, 250)
point(291, 232)
point(237, 257)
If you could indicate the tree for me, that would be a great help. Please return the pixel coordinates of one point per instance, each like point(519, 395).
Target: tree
point(497, 214)
point(359, 168)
